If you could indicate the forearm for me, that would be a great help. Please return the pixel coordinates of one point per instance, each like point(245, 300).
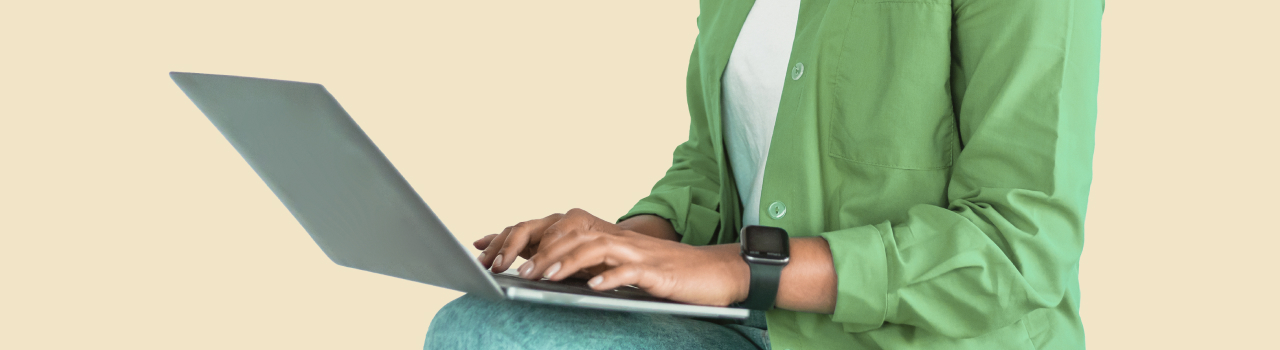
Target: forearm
point(808, 282)
point(651, 225)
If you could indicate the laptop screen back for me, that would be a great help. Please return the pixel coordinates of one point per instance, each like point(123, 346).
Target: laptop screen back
point(339, 186)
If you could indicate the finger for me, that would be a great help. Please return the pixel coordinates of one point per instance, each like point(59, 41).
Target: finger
point(555, 231)
point(522, 235)
point(490, 253)
point(590, 272)
point(628, 274)
point(483, 242)
point(588, 254)
point(528, 251)
point(549, 252)
point(646, 277)
point(576, 252)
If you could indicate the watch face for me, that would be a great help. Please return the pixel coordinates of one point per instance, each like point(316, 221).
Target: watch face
point(765, 242)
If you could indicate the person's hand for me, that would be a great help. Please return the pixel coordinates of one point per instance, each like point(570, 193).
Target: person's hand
point(709, 275)
point(499, 251)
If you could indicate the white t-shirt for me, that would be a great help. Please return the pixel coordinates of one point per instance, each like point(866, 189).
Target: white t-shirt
point(751, 90)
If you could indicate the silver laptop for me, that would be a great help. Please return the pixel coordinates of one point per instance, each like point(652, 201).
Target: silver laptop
point(358, 208)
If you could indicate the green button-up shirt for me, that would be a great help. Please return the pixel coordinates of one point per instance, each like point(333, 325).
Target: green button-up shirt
point(943, 149)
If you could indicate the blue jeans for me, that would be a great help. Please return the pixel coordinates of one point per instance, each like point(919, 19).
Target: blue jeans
point(476, 323)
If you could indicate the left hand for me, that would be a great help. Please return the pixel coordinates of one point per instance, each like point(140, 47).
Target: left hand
point(707, 275)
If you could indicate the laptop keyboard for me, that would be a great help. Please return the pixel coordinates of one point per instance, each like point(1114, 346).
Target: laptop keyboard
point(574, 286)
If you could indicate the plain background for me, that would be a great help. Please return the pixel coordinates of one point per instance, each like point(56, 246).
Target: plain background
point(127, 221)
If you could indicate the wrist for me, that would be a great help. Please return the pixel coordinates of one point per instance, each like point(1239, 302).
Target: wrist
point(743, 274)
point(733, 266)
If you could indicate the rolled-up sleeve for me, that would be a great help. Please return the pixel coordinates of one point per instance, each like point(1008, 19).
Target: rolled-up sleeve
point(1024, 80)
point(688, 195)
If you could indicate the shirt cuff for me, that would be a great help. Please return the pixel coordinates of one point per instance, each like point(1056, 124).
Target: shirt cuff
point(862, 295)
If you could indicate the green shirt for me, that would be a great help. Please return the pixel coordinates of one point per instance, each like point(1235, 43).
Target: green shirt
point(942, 148)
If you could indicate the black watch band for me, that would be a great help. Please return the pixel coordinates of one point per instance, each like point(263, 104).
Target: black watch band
point(766, 251)
point(764, 286)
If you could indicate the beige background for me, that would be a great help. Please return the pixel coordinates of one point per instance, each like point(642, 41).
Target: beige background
point(127, 221)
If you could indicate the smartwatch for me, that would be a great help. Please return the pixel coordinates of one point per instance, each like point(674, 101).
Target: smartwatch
point(766, 251)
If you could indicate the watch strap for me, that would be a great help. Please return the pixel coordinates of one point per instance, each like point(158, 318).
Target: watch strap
point(763, 291)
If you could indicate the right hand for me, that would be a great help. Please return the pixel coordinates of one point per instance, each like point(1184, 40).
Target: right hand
point(524, 238)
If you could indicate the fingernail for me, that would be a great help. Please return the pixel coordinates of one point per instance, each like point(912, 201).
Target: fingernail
point(481, 257)
point(552, 270)
point(595, 280)
point(525, 268)
point(497, 260)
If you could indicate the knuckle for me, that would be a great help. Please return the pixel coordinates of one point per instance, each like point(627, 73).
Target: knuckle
point(575, 233)
point(601, 241)
point(552, 231)
point(586, 235)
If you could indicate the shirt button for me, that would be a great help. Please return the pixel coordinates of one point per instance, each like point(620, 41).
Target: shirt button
point(777, 210)
point(797, 71)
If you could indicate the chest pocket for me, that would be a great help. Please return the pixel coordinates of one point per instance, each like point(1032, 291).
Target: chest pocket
point(893, 105)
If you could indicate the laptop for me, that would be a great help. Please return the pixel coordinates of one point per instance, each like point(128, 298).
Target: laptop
point(359, 209)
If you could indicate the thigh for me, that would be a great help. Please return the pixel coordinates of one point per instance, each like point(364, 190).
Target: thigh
point(476, 323)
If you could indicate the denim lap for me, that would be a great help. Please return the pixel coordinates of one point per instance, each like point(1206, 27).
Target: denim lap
point(476, 323)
